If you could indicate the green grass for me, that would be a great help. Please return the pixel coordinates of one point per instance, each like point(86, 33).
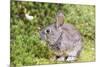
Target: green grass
point(26, 46)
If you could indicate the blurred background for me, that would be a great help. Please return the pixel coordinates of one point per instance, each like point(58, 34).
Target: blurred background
point(28, 18)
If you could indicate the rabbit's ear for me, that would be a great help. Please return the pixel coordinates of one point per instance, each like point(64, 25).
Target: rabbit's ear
point(59, 19)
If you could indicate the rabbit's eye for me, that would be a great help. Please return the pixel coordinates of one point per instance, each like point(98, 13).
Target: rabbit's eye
point(47, 31)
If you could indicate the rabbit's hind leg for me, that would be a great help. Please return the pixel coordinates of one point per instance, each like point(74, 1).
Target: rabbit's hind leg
point(71, 58)
point(72, 55)
point(75, 52)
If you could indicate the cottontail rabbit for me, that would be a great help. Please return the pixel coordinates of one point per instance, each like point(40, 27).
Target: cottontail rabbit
point(64, 39)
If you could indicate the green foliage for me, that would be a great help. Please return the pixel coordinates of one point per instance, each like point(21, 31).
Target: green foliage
point(28, 49)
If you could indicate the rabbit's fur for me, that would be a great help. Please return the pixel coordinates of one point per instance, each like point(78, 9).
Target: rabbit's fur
point(64, 39)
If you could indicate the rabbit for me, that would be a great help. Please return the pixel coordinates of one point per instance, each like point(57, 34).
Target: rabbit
point(63, 39)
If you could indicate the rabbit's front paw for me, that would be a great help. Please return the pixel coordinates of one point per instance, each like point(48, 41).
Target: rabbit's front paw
point(71, 59)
